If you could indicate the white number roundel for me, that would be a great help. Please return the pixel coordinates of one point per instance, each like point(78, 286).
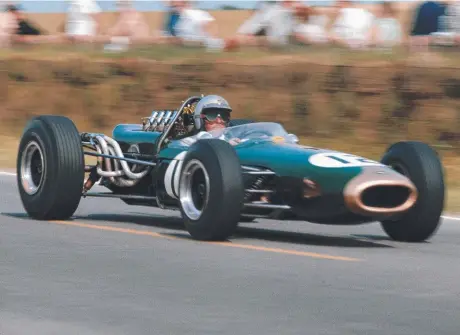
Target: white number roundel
point(172, 175)
point(340, 160)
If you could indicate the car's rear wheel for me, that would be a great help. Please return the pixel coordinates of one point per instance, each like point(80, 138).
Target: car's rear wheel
point(211, 190)
point(421, 164)
point(50, 168)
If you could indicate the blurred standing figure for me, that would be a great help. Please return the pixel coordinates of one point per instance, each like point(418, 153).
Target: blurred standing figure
point(24, 26)
point(353, 26)
point(26, 32)
point(426, 22)
point(172, 17)
point(275, 19)
point(255, 25)
point(310, 27)
point(195, 27)
point(129, 28)
point(453, 10)
point(451, 23)
point(82, 20)
point(388, 32)
point(8, 27)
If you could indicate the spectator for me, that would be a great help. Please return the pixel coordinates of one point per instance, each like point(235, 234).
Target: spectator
point(129, 28)
point(449, 33)
point(172, 17)
point(311, 27)
point(25, 32)
point(275, 21)
point(388, 32)
point(82, 20)
point(194, 28)
point(353, 26)
point(453, 14)
point(24, 27)
point(281, 23)
point(426, 22)
point(255, 25)
point(8, 27)
point(453, 20)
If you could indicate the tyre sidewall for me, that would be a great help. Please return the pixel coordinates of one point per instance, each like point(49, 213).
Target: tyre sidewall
point(43, 199)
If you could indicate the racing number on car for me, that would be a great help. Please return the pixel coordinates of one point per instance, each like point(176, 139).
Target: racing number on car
point(350, 159)
point(340, 160)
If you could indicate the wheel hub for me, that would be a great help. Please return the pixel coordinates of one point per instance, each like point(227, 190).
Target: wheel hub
point(194, 189)
point(201, 190)
point(32, 168)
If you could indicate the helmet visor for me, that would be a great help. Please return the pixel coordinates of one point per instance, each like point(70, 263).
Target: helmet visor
point(212, 114)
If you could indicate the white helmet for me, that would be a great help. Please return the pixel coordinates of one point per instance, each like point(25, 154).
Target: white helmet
point(210, 107)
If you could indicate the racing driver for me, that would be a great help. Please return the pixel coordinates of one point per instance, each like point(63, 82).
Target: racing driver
point(211, 113)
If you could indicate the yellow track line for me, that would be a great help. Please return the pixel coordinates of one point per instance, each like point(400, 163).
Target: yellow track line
point(226, 244)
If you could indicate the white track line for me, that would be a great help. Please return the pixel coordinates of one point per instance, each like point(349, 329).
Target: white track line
point(2, 173)
point(11, 174)
point(450, 217)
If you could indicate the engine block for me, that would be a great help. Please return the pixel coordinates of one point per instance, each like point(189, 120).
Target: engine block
point(158, 120)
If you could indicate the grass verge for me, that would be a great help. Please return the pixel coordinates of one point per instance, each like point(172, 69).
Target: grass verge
point(437, 56)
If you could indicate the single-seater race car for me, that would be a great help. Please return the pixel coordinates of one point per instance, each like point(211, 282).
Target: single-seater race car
point(216, 183)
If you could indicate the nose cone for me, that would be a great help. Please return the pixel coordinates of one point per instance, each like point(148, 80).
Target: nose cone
point(379, 191)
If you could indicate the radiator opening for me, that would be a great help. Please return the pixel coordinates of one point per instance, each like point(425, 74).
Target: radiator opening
point(387, 197)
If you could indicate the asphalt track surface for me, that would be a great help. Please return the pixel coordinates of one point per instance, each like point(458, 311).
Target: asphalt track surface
point(116, 269)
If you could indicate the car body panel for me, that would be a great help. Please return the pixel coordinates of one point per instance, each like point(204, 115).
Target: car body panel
point(292, 160)
point(338, 178)
point(133, 134)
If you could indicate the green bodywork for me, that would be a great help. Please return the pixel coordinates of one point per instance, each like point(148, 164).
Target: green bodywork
point(285, 159)
point(133, 134)
point(292, 160)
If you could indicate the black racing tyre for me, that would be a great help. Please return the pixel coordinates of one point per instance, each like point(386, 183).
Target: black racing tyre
point(211, 190)
point(50, 168)
point(421, 164)
point(239, 122)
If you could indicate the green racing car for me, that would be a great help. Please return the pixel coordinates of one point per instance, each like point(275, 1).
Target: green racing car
point(216, 181)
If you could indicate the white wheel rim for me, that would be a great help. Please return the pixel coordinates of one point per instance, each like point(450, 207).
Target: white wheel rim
point(32, 168)
point(194, 189)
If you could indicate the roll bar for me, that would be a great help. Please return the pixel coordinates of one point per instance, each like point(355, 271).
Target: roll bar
point(165, 133)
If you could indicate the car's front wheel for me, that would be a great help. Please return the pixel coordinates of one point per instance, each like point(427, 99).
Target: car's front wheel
point(211, 190)
point(421, 164)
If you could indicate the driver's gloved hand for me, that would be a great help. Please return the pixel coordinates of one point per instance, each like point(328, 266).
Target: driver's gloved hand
point(234, 141)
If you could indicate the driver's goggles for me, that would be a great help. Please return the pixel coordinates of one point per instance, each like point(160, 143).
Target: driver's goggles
point(213, 115)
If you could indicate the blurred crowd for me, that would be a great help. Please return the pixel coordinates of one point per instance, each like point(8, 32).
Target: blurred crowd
point(273, 23)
